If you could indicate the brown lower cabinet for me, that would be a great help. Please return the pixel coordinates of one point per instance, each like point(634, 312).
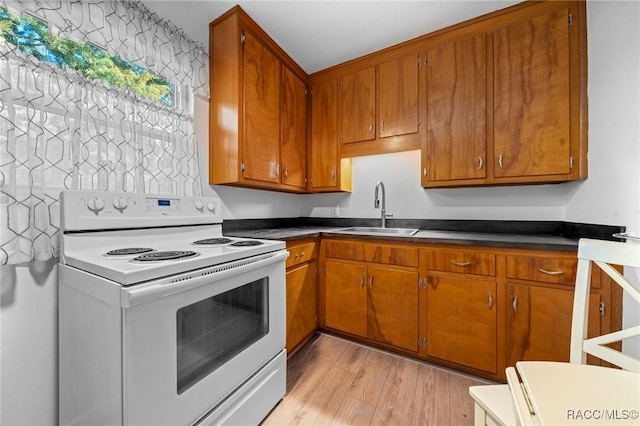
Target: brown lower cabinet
point(476, 309)
point(302, 292)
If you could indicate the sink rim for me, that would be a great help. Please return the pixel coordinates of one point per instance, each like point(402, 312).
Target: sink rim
point(379, 230)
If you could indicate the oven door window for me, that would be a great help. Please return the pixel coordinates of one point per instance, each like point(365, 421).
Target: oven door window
point(212, 331)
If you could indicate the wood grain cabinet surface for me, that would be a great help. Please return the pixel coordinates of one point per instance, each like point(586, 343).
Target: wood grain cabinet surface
point(258, 109)
point(375, 299)
point(507, 98)
point(476, 309)
point(302, 293)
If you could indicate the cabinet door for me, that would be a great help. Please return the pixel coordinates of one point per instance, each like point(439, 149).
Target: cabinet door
point(539, 323)
point(358, 115)
point(302, 302)
point(346, 297)
point(294, 135)
point(398, 96)
point(392, 306)
point(324, 134)
point(531, 97)
point(261, 141)
point(456, 111)
point(461, 321)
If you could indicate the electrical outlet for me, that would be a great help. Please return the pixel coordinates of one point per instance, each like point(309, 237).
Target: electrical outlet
point(335, 211)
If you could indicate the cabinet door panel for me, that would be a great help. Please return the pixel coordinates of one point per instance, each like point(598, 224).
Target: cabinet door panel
point(294, 139)
point(261, 143)
point(461, 321)
point(359, 106)
point(393, 307)
point(302, 301)
point(346, 297)
point(531, 97)
point(539, 323)
point(324, 134)
point(398, 97)
point(456, 110)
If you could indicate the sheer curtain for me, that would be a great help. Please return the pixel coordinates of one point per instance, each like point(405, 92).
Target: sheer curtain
point(59, 130)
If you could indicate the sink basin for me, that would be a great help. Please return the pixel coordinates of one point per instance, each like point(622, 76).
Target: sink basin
point(379, 231)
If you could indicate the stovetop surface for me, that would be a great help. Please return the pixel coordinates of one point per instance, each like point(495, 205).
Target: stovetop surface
point(93, 252)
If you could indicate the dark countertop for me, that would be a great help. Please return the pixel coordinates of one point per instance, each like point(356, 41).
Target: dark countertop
point(547, 242)
point(544, 235)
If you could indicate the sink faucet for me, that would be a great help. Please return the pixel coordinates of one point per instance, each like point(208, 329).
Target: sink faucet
point(376, 204)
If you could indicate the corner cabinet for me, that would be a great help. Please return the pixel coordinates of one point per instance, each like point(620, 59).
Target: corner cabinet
point(257, 112)
point(507, 99)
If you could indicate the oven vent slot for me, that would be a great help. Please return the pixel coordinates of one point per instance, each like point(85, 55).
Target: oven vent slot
point(226, 267)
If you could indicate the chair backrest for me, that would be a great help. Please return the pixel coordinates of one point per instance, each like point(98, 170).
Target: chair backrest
point(520, 403)
point(604, 254)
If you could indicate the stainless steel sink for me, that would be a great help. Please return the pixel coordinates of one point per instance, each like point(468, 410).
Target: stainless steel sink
point(379, 231)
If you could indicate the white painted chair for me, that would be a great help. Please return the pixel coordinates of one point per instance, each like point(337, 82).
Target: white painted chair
point(507, 404)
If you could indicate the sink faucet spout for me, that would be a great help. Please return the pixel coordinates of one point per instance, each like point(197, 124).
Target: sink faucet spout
point(376, 203)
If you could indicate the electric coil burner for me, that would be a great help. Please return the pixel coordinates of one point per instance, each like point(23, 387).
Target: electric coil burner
point(128, 251)
point(247, 243)
point(159, 256)
point(213, 241)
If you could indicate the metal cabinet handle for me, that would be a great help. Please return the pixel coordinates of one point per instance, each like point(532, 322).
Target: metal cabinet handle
point(382, 124)
point(480, 162)
point(286, 172)
point(515, 304)
point(544, 271)
point(370, 127)
point(333, 175)
point(500, 161)
point(277, 169)
point(457, 263)
point(371, 281)
point(361, 280)
point(490, 303)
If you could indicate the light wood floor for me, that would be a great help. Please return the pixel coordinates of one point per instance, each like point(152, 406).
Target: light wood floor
point(331, 381)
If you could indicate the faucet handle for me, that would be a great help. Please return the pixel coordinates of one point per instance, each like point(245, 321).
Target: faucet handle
point(376, 203)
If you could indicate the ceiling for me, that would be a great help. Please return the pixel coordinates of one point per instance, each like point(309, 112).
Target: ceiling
point(318, 34)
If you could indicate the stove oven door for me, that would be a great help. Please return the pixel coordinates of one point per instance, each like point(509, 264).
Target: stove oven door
point(191, 340)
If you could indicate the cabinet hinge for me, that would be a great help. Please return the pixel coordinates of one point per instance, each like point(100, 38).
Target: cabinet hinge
point(571, 161)
point(602, 308)
point(242, 38)
point(570, 19)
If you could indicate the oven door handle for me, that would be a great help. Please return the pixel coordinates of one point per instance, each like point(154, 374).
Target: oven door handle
point(136, 295)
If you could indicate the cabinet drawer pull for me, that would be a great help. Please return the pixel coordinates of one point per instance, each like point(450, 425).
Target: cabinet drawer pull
point(382, 125)
point(457, 263)
point(361, 280)
point(490, 303)
point(480, 162)
point(371, 281)
point(500, 161)
point(370, 127)
point(286, 172)
point(544, 271)
point(515, 304)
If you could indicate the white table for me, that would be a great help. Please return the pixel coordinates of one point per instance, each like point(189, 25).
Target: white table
point(576, 394)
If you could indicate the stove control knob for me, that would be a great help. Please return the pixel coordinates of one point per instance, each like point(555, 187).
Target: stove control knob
point(95, 204)
point(211, 207)
point(120, 203)
point(198, 205)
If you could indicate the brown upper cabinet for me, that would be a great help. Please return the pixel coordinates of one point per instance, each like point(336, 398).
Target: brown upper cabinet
point(258, 108)
point(507, 99)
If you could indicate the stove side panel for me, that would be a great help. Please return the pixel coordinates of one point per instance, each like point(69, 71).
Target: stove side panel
point(90, 348)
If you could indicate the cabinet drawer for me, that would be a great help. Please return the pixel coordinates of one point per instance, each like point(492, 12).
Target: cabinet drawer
point(466, 262)
point(391, 255)
point(301, 253)
point(344, 250)
point(542, 269)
